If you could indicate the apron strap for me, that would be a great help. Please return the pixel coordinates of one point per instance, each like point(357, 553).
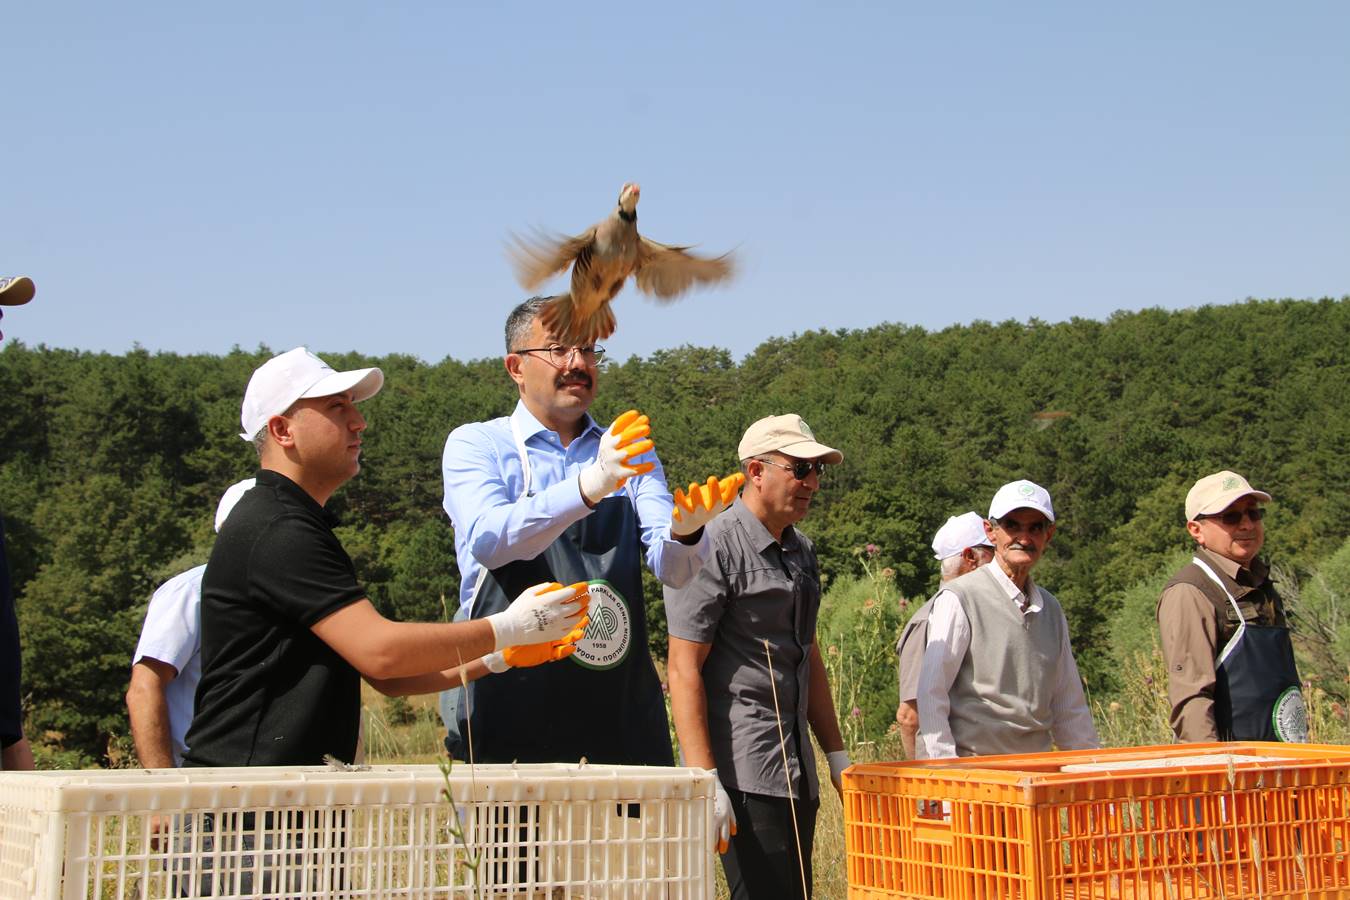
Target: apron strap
point(1242, 623)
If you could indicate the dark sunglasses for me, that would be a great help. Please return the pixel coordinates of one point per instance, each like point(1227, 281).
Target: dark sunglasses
point(1012, 526)
point(1233, 517)
point(801, 468)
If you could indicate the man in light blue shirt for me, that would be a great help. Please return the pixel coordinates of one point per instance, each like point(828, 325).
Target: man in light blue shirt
point(547, 493)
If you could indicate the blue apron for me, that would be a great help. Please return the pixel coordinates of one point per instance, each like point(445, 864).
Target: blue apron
point(604, 702)
point(1256, 689)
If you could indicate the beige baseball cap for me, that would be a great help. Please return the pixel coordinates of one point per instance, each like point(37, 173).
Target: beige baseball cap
point(1215, 493)
point(785, 434)
point(16, 290)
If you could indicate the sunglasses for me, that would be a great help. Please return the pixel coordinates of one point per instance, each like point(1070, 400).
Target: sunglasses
point(1233, 517)
point(801, 468)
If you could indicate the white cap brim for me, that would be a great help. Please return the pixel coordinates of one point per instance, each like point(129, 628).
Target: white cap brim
point(363, 383)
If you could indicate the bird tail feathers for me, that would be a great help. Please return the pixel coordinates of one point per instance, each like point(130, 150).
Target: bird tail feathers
point(560, 317)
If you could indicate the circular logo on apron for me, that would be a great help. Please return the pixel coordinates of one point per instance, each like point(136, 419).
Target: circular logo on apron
point(607, 638)
point(1290, 717)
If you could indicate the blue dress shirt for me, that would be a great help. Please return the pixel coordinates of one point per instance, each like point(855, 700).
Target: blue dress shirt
point(495, 525)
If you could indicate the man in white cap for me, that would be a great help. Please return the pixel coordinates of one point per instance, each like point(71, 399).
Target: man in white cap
point(960, 546)
point(15, 751)
point(1230, 662)
point(998, 672)
point(746, 674)
point(287, 632)
point(167, 663)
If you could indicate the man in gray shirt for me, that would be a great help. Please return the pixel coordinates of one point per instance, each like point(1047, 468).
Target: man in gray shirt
point(746, 676)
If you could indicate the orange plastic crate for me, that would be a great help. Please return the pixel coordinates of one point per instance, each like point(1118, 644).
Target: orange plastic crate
point(1178, 822)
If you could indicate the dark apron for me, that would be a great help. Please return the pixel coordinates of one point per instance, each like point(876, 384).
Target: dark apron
point(604, 702)
point(1256, 690)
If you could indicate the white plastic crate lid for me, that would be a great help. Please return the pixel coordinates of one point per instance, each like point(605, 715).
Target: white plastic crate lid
point(150, 790)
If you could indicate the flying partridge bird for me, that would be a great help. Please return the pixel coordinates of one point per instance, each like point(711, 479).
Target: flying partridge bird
point(602, 257)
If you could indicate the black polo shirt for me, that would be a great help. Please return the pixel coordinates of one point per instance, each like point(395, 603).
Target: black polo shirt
point(272, 693)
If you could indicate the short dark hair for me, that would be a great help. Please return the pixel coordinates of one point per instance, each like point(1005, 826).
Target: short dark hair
point(518, 322)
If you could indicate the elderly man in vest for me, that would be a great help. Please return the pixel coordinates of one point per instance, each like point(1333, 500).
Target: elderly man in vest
point(998, 674)
point(1230, 663)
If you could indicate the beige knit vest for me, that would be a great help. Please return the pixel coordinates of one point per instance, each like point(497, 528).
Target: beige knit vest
point(1001, 698)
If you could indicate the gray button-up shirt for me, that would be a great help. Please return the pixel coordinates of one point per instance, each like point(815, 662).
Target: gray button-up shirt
point(753, 589)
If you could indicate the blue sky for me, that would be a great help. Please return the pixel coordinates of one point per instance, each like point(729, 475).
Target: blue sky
point(190, 177)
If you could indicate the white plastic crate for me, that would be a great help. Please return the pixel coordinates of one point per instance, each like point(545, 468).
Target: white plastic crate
point(539, 831)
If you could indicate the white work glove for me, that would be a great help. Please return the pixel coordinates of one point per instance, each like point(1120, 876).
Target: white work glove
point(703, 502)
point(530, 655)
point(724, 817)
point(839, 761)
point(543, 613)
point(623, 440)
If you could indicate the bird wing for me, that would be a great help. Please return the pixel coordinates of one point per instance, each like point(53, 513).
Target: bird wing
point(665, 272)
point(538, 258)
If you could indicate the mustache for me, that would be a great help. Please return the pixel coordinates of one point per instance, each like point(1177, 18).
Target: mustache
point(573, 378)
point(1018, 546)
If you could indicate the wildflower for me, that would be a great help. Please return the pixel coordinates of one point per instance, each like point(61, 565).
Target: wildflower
point(904, 604)
point(869, 603)
point(1114, 707)
point(856, 712)
point(832, 650)
point(888, 572)
point(872, 549)
point(1337, 710)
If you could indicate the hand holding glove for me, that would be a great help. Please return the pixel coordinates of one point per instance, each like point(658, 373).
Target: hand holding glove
point(528, 655)
point(540, 615)
point(724, 817)
point(839, 761)
point(623, 440)
point(703, 502)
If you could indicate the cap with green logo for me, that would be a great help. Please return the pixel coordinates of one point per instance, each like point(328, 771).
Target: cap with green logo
point(1215, 493)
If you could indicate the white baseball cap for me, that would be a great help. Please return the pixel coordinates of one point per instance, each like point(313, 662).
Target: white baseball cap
point(959, 532)
point(1021, 495)
point(295, 375)
point(233, 494)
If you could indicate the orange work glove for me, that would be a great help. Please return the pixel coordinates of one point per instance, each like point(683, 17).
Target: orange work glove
point(703, 502)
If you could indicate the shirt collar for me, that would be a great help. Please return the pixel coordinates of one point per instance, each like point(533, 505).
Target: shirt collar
point(274, 479)
point(1256, 572)
point(529, 426)
point(1013, 592)
point(760, 537)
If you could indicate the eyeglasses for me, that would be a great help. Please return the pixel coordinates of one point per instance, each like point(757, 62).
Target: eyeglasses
point(1012, 526)
point(559, 356)
point(1233, 517)
point(801, 468)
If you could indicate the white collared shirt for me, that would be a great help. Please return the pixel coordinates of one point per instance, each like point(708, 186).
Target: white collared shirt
point(949, 641)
